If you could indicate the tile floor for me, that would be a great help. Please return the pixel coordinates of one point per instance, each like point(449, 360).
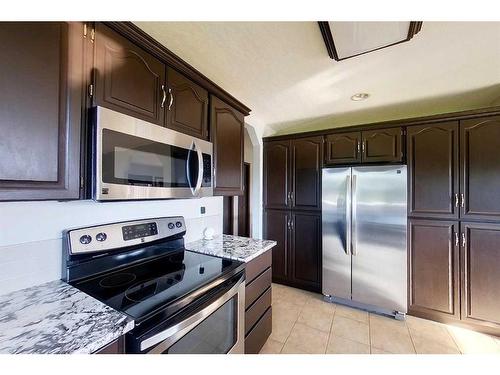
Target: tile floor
point(304, 323)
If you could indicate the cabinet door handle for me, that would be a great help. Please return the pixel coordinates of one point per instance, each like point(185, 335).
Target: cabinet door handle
point(171, 99)
point(456, 199)
point(463, 239)
point(359, 147)
point(462, 199)
point(291, 224)
point(164, 96)
point(363, 147)
point(456, 239)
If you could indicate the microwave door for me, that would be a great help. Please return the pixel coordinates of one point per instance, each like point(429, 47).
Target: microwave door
point(194, 168)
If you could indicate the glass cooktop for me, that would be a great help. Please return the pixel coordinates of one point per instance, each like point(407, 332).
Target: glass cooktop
point(143, 289)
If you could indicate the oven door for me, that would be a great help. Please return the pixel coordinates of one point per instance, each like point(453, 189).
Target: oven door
point(138, 160)
point(217, 327)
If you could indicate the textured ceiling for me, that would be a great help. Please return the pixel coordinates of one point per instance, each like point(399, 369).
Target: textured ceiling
point(282, 71)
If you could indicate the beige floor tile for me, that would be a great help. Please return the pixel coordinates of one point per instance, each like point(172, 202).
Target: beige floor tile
point(307, 339)
point(290, 348)
point(295, 296)
point(379, 322)
point(355, 314)
point(318, 317)
point(391, 339)
point(281, 329)
point(317, 301)
point(425, 330)
point(286, 310)
point(350, 329)
point(471, 342)
point(426, 345)
point(340, 345)
point(378, 351)
point(271, 347)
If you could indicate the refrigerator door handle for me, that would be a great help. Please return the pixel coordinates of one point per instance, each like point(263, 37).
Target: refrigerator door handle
point(348, 208)
point(354, 250)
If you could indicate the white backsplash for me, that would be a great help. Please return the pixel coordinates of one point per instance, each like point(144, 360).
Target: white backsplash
point(31, 232)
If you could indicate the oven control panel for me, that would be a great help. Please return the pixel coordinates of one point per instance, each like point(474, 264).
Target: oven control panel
point(118, 235)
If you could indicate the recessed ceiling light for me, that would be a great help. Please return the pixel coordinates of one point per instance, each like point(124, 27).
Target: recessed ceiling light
point(360, 96)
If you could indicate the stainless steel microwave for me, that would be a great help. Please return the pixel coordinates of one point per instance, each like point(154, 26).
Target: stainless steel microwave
point(134, 159)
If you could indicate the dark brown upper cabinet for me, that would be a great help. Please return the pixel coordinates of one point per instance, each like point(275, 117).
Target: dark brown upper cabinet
point(277, 174)
point(277, 228)
point(40, 105)
point(127, 78)
point(382, 145)
point(226, 129)
point(433, 169)
point(305, 250)
point(187, 105)
point(307, 160)
point(480, 276)
point(434, 268)
point(480, 168)
point(343, 148)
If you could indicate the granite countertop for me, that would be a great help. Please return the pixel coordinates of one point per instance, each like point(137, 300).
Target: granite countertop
point(56, 318)
point(243, 249)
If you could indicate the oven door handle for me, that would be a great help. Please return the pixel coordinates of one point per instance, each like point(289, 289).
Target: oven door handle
point(200, 169)
point(168, 337)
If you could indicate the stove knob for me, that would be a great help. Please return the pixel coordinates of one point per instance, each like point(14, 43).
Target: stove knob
point(171, 226)
point(178, 224)
point(101, 236)
point(85, 239)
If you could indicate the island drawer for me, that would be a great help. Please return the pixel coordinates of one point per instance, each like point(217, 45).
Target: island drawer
point(256, 266)
point(257, 337)
point(257, 287)
point(258, 309)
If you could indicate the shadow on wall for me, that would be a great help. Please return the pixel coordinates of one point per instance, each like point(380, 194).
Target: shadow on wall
point(474, 99)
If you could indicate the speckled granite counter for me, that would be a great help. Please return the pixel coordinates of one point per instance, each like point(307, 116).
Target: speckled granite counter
point(243, 249)
point(56, 318)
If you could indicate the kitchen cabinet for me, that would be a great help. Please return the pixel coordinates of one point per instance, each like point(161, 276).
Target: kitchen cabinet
point(343, 148)
point(115, 347)
point(40, 106)
point(297, 256)
point(227, 131)
point(433, 165)
point(480, 276)
point(187, 105)
point(382, 145)
point(127, 78)
point(434, 268)
point(292, 174)
point(480, 167)
point(367, 146)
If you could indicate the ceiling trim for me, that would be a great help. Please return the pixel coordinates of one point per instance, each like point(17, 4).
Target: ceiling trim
point(326, 32)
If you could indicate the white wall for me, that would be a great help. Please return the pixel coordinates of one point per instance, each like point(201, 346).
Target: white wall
point(31, 232)
point(255, 138)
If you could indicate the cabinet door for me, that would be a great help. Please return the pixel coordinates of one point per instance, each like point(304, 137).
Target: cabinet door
point(276, 227)
point(480, 165)
point(434, 268)
point(277, 172)
point(433, 170)
point(306, 250)
point(40, 108)
point(382, 145)
point(343, 148)
point(128, 79)
point(480, 274)
point(187, 105)
point(307, 154)
point(226, 128)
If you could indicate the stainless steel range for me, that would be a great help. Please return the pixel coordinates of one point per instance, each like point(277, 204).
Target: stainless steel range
point(181, 301)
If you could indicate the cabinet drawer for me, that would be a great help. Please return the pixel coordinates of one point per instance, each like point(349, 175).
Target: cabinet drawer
point(115, 347)
point(257, 337)
point(257, 287)
point(260, 306)
point(256, 266)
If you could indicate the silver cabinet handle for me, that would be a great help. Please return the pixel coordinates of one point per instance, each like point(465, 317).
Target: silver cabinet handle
point(462, 199)
point(363, 147)
point(456, 238)
point(463, 239)
point(164, 96)
point(171, 99)
point(456, 199)
point(291, 224)
point(359, 147)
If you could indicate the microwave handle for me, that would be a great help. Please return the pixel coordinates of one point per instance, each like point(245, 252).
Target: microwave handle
point(200, 169)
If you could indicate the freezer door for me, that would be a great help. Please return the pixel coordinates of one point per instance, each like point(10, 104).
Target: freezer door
point(379, 274)
point(336, 216)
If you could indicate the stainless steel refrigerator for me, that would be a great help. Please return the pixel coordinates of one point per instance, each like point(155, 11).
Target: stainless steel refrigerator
point(364, 237)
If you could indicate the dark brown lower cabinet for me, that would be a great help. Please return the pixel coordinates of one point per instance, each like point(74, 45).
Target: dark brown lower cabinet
point(481, 274)
point(297, 256)
point(433, 268)
point(115, 347)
